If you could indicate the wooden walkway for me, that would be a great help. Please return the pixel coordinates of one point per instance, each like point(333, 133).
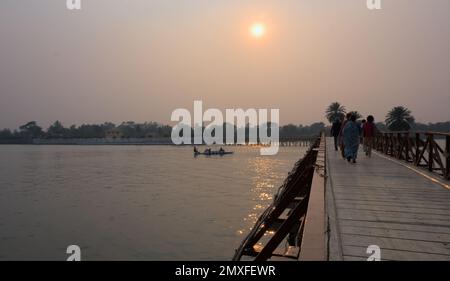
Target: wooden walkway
point(380, 202)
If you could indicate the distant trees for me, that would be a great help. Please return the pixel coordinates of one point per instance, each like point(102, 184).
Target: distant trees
point(130, 129)
point(399, 118)
point(31, 130)
point(435, 127)
point(289, 131)
point(6, 134)
point(335, 111)
point(57, 130)
point(90, 131)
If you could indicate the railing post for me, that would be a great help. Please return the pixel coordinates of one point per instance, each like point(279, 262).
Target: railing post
point(399, 145)
point(380, 142)
point(407, 147)
point(430, 152)
point(391, 137)
point(447, 157)
point(417, 159)
point(386, 143)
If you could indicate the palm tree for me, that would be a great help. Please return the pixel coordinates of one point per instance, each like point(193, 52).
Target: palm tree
point(399, 118)
point(335, 111)
point(357, 114)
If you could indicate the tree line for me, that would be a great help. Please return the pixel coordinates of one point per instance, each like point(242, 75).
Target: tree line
point(399, 118)
point(130, 129)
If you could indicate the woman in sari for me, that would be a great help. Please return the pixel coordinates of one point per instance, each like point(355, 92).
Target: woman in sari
point(341, 134)
point(351, 139)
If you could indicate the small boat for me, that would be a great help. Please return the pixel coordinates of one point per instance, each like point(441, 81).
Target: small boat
point(218, 152)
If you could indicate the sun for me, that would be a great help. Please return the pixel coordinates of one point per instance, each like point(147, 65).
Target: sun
point(257, 30)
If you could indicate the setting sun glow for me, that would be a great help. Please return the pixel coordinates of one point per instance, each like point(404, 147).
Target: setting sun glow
point(258, 30)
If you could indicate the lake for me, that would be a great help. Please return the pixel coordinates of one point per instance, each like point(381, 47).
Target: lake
point(133, 202)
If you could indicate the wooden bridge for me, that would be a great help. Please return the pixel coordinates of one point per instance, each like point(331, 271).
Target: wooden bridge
point(398, 200)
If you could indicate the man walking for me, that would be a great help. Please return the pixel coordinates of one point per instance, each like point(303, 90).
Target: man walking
point(335, 129)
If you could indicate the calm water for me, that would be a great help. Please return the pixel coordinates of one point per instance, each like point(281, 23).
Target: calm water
point(132, 202)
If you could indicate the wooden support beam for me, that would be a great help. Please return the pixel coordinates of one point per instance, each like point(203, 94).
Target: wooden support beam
point(283, 231)
point(430, 152)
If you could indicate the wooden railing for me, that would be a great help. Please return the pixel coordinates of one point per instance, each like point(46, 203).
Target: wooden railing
point(286, 216)
point(422, 149)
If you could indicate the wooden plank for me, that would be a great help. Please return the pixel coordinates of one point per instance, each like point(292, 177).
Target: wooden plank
point(387, 192)
point(390, 218)
point(393, 197)
point(381, 202)
point(380, 212)
point(355, 258)
point(396, 244)
point(393, 208)
point(427, 228)
point(345, 203)
point(397, 188)
point(398, 234)
point(412, 199)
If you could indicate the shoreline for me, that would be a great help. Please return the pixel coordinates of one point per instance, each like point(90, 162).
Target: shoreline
point(94, 141)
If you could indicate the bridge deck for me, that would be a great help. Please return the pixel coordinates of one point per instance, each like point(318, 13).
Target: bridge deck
point(380, 202)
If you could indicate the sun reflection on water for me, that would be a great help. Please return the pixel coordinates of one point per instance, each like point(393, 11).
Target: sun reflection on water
point(264, 183)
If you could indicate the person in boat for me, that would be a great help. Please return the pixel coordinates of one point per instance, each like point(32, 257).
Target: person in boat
point(208, 151)
point(195, 150)
point(221, 150)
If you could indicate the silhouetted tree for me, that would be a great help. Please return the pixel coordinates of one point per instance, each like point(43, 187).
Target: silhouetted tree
point(357, 114)
point(399, 118)
point(31, 130)
point(57, 130)
point(335, 111)
point(289, 131)
point(6, 134)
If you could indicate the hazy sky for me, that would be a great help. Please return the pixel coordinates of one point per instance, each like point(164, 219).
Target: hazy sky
point(118, 60)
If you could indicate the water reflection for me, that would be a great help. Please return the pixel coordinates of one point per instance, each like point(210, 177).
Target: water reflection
point(265, 180)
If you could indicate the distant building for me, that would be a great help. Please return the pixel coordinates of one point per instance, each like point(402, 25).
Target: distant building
point(113, 134)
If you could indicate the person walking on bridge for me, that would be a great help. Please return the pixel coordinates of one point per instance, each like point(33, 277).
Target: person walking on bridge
point(341, 134)
point(369, 131)
point(335, 130)
point(351, 133)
